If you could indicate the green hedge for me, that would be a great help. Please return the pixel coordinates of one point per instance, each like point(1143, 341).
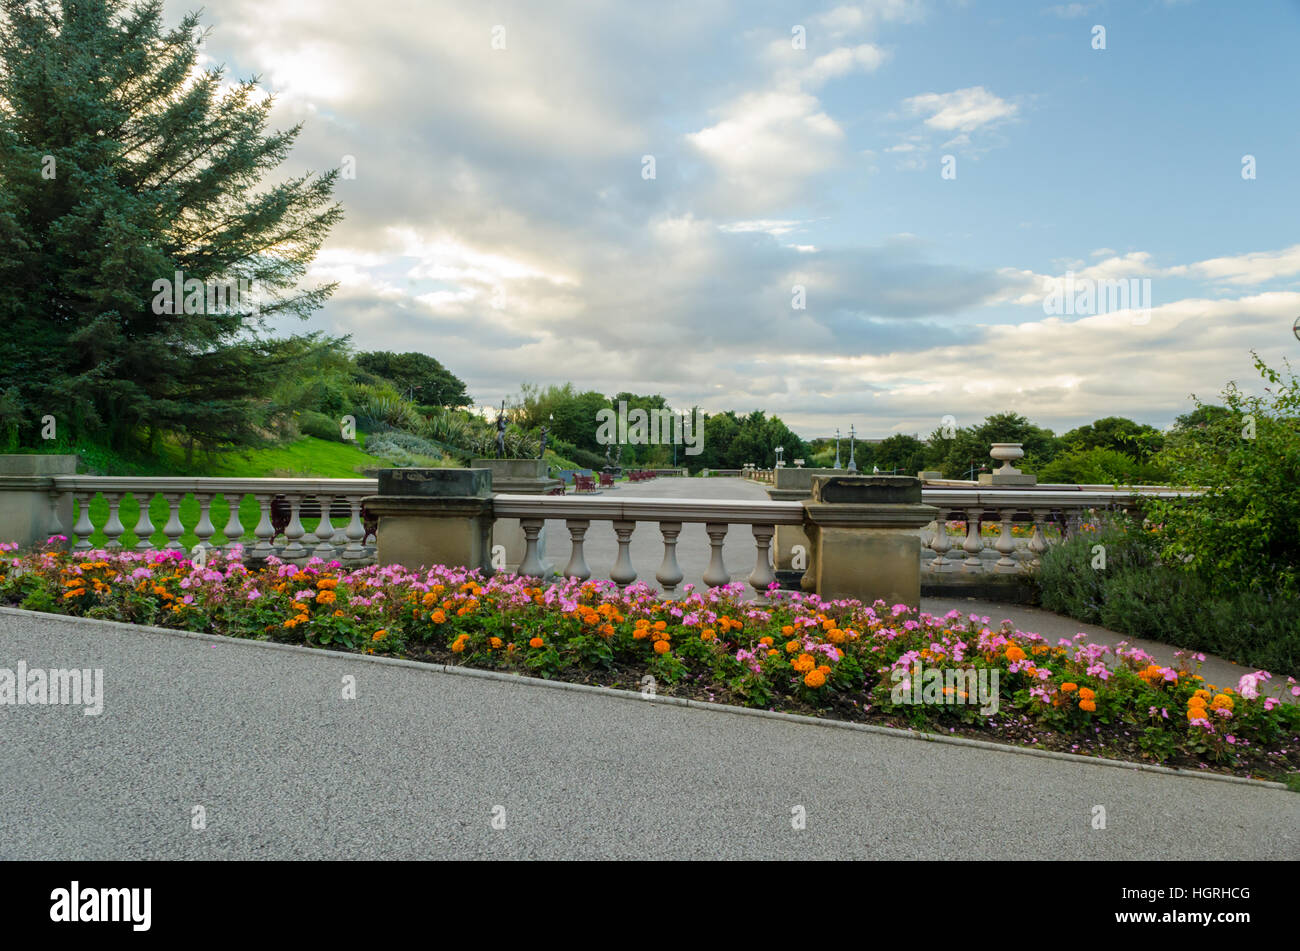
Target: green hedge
point(1138, 596)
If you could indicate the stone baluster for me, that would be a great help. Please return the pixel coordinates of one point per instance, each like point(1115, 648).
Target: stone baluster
point(234, 530)
point(531, 566)
point(55, 526)
point(204, 530)
point(577, 566)
point(294, 531)
point(356, 532)
point(265, 531)
point(716, 574)
point(325, 530)
point(940, 544)
point(973, 544)
point(623, 574)
point(669, 574)
point(173, 529)
point(1038, 541)
point(1006, 544)
point(113, 528)
point(83, 529)
point(144, 524)
point(762, 575)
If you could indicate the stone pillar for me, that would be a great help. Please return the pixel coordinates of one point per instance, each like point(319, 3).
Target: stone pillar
point(434, 517)
point(518, 477)
point(26, 504)
point(864, 538)
point(791, 550)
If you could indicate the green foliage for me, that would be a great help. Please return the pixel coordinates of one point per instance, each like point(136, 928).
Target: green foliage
point(1100, 465)
point(731, 441)
point(1243, 532)
point(968, 447)
point(1136, 440)
point(1138, 595)
point(320, 426)
point(899, 452)
point(416, 376)
point(155, 167)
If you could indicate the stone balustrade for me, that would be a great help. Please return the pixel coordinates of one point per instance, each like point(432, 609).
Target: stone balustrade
point(718, 516)
point(297, 519)
point(1048, 515)
point(332, 506)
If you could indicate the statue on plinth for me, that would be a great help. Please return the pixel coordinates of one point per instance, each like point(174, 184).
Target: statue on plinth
point(501, 431)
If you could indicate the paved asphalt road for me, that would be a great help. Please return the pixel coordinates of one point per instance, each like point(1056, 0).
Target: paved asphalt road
point(415, 765)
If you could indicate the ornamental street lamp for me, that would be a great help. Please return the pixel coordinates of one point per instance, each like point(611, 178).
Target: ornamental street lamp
point(853, 463)
point(837, 448)
point(780, 456)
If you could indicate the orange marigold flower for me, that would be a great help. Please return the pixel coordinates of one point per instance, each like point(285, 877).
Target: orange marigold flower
point(379, 634)
point(803, 663)
point(662, 647)
point(1086, 693)
point(660, 625)
point(1014, 653)
point(338, 613)
point(1221, 701)
point(766, 641)
point(706, 635)
point(814, 679)
point(1196, 713)
point(792, 646)
point(495, 642)
point(1088, 705)
point(787, 630)
point(641, 633)
point(536, 642)
point(1069, 687)
point(438, 616)
point(1196, 700)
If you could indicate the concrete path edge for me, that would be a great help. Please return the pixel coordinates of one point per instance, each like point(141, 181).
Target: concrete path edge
point(678, 701)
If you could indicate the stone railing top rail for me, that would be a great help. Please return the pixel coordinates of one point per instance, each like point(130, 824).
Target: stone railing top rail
point(630, 509)
point(647, 510)
point(1040, 497)
point(168, 484)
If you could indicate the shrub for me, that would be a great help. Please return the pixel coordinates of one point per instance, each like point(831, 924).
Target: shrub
point(311, 423)
point(1138, 595)
point(1243, 532)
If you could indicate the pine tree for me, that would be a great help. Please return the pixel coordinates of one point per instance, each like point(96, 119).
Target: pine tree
point(120, 165)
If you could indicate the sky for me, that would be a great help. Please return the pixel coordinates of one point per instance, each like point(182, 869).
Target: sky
point(841, 213)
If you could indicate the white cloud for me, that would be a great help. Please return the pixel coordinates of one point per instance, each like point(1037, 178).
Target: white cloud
point(962, 109)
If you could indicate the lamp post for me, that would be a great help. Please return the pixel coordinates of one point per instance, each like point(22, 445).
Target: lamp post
point(837, 448)
point(780, 456)
point(853, 463)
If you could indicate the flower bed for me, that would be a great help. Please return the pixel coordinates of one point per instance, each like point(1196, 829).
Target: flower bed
point(797, 654)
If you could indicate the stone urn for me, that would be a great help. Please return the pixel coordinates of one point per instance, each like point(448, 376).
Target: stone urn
point(1007, 474)
point(1006, 453)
